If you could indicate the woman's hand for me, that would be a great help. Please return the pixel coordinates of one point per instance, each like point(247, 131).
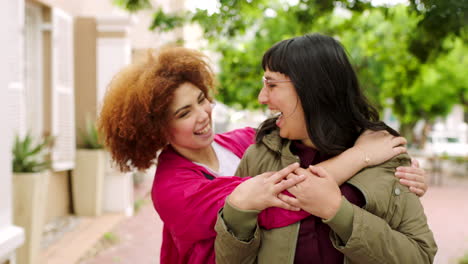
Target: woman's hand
point(376, 147)
point(413, 177)
point(261, 191)
point(319, 194)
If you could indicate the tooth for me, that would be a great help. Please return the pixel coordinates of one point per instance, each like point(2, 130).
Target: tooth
point(205, 130)
point(275, 113)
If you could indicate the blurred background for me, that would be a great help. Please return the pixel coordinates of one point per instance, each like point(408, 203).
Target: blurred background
point(61, 201)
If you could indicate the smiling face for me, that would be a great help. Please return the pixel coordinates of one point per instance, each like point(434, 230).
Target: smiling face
point(190, 119)
point(282, 97)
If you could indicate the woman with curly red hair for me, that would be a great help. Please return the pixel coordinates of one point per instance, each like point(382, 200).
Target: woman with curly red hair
point(163, 105)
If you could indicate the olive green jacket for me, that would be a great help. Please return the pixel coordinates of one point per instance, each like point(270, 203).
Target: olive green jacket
point(391, 228)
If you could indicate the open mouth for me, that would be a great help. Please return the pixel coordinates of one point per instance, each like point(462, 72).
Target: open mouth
point(203, 131)
point(279, 116)
point(276, 113)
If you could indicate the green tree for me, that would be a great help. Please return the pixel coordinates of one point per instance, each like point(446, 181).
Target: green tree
point(385, 66)
point(440, 19)
point(380, 43)
point(406, 53)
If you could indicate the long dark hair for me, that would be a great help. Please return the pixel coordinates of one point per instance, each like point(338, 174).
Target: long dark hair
point(335, 109)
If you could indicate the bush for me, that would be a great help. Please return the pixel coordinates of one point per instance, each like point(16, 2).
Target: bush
point(464, 259)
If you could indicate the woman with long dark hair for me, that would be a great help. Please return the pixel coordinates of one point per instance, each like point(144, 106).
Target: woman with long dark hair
point(371, 218)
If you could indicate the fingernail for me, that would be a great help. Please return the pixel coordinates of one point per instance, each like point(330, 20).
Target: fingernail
point(398, 174)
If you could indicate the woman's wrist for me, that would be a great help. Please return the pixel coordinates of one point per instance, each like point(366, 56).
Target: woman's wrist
point(345, 165)
point(238, 202)
point(359, 156)
point(333, 208)
point(242, 223)
point(364, 154)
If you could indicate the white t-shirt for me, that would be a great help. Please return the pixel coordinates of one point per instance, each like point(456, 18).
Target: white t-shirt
point(228, 161)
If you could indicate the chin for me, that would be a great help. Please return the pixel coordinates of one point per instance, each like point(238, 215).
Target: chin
point(283, 134)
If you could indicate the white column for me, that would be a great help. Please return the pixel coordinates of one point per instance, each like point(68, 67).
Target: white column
point(112, 54)
point(113, 50)
point(11, 52)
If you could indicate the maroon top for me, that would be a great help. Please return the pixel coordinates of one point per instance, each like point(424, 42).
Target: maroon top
point(313, 243)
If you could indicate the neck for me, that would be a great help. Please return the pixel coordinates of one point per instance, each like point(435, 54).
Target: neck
point(206, 156)
point(308, 143)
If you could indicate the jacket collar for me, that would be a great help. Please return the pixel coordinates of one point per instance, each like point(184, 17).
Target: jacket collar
point(281, 146)
point(274, 142)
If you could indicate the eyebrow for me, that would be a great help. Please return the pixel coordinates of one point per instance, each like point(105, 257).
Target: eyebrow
point(189, 105)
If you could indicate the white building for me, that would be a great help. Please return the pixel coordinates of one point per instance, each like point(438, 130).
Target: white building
point(449, 136)
point(11, 237)
point(57, 59)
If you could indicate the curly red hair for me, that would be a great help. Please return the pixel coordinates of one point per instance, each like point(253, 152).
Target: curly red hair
point(134, 113)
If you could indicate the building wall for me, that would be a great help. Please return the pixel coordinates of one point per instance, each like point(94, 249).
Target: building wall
point(72, 7)
point(10, 67)
point(91, 82)
point(140, 36)
point(85, 72)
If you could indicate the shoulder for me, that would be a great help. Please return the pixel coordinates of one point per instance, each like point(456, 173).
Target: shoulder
point(246, 133)
point(382, 173)
point(172, 167)
point(259, 158)
point(257, 149)
point(379, 184)
point(237, 140)
point(270, 145)
point(174, 176)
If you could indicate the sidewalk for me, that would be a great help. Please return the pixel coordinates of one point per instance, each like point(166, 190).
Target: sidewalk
point(445, 207)
point(138, 238)
point(447, 213)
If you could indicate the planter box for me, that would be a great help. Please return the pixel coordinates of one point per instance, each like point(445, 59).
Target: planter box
point(87, 182)
point(118, 191)
point(29, 204)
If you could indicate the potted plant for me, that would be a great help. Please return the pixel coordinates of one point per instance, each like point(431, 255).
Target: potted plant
point(88, 175)
point(30, 184)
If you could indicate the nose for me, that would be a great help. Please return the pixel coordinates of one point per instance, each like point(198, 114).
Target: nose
point(263, 96)
point(204, 112)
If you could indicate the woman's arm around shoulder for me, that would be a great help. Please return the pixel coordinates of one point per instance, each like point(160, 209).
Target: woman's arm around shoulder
point(392, 214)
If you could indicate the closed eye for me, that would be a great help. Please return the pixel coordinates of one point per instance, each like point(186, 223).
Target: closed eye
point(183, 114)
point(185, 111)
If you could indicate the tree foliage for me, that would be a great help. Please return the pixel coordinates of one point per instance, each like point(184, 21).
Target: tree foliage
point(133, 5)
point(415, 55)
point(440, 19)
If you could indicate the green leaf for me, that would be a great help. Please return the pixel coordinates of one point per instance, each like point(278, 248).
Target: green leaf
point(400, 52)
point(90, 136)
point(133, 5)
point(28, 157)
